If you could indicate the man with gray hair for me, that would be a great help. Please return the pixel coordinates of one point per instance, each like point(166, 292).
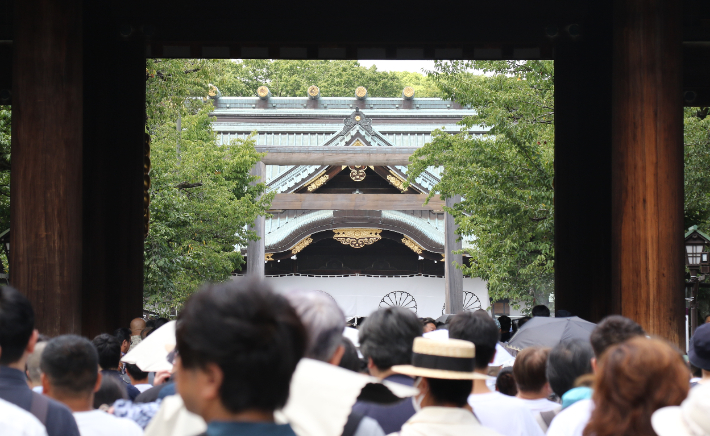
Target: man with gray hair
point(34, 373)
point(324, 322)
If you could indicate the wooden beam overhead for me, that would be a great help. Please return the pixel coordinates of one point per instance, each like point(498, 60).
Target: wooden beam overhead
point(355, 202)
point(327, 155)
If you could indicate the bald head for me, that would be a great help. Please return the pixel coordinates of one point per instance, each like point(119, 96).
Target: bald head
point(137, 325)
point(33, 371)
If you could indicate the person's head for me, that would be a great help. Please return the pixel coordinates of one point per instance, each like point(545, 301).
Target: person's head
point(505, 382)
point(567, 361)
point(386, 337)
point(110, 390)
point(477, 327)
point(707, 319)
point(699, 349)
point(33, 370)
point(146, 332)
point(70, 368)
point(443, 392)
point(136, 374)
point(324, 323)
point(109, 349)
point(523, 320)
point(428, 325)
point(137, 325)
point(529, 370)
point(238, 345)
point(540, 310)
point(124, 337)
point(150, 324)
point(634, 379)
point(613, 330)
point(17, 326)
point(350, 358)
point(160, 322)
point(505, 323)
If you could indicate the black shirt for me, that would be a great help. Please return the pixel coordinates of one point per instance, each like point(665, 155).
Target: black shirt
point(131, 390)
point(14, 389)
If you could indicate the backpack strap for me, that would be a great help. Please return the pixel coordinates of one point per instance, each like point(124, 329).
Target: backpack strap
point(547, 416)
point(40, 407)
point(352, 423)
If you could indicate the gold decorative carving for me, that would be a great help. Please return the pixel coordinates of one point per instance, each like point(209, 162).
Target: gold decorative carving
point(412, 245)
point(357, 238)
point(357, 118)
point(313, 91)
point(302, 244)
point(262, 92)
point(320, 181)
point(357, 143)
point(408, 92)
point(357, 172)
point(269, 257)
point(396, 181)
point(360, 92)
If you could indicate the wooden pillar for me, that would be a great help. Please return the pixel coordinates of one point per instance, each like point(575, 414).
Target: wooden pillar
point(256, 249)
point(647, 159)
point(114, 127)
point(47, 129)
point(583, 167)
point(453, 276)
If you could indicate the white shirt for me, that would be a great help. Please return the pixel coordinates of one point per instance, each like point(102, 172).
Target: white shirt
point(98, 423)
point(444, 421)
point(15, 421)
point(572, 420)
point(504, 414)
point(143, 386)
point(540, 405)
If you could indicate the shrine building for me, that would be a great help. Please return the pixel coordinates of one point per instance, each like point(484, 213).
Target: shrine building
point(319, 237)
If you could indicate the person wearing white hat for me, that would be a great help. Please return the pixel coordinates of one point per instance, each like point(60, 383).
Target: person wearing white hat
point(446, 372)
point(691, 418)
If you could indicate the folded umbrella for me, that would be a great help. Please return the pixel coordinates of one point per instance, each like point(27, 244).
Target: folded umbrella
point(547, 332)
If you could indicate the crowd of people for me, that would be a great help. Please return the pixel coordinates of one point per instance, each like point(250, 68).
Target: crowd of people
point(248, 361)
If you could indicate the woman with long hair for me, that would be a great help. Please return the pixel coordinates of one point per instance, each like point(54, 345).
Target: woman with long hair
point(633, 380)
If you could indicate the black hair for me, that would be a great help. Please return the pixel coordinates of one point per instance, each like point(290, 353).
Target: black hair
point(146, 332)
point(259, 342)
point(477, 327)
point(109, 349)
point(612, 330)
point(523, 320)
point(111, 390)
point(135, 372)
point(160, 322)
point(567, 361)
point(150, 324)
point(505, 382)
point(425, 321)
point(505, 324)
point(541, 310)
point(387, 336)
point(450, 391)
point(123, 334)
point(17, 322)
point(71, 364)
point(350, 358)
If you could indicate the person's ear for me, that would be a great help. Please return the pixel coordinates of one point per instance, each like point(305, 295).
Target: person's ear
point(32, 342)
point(211, 379)
point(46, 387)
point(97, 385)
point(370, 363)
point(337, 356)
point(423, 386)
point(594, 365)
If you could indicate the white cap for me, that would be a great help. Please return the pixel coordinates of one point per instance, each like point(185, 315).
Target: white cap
point(691, 418)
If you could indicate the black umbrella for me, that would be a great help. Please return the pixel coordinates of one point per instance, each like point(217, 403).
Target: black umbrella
point(547, 332)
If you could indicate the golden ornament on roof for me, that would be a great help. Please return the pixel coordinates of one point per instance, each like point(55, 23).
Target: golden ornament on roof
point(412, 245)
point(262, 92)
point(313, 91)
point(408, 92)
point(357, 238)
point(360, 92)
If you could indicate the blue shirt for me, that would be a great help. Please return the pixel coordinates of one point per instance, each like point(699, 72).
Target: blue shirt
point(223, 428)
point(14, 389)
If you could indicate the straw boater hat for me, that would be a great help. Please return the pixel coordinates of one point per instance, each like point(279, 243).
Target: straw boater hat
point(451, 359)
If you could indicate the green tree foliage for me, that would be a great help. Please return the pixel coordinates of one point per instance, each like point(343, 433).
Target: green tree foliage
point(5, 121)
point(202, 198)
point(697, 168)
point(291, 78)
point(505, 177)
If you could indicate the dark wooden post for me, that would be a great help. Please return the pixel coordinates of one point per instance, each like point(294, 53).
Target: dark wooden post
point(114, 126)
point(647, 159)
point(47, 129)
point(453, 276)
point(583, 166)
point(256, 249)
